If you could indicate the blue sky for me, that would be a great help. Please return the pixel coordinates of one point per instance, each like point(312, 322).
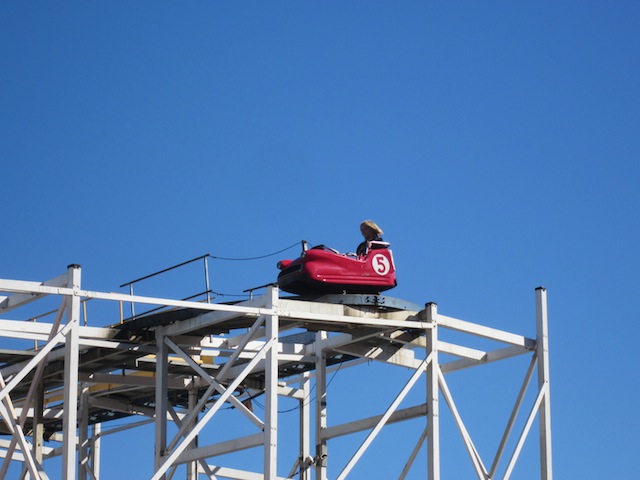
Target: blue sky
point(495, 143)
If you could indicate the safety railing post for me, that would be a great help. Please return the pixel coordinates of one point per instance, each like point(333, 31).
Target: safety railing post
point(133, 312)
point(206, 278)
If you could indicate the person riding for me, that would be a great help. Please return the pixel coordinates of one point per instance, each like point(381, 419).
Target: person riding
point(371, 233)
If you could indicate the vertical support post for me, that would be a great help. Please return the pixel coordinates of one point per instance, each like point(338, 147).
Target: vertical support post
point(38, 423)
point(305, 427)
point(133, 310)
point(71, 360)
point(271, 389)
point(192, 467)
point(95, 450)
point(162, 373)
point(83, 430)
point(320, 458)
point(542, 354)
point(433, 408)
point(206, 278)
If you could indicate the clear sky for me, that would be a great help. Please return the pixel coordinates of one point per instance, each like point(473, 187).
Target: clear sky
point(496, 143)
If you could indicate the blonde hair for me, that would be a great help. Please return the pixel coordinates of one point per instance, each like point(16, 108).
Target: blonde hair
point(373, 226)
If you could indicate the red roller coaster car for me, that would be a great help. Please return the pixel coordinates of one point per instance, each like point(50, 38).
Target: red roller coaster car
point(324, 270)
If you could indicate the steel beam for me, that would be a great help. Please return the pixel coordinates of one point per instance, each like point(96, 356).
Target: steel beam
point(433, 407)
point(486, 332)
point(305, 428)
point(71, 362)
point(222, 448)
point(10, 419)
point(413, 456)
point(369, 423)
point(83, 431)
point(169, 460)
point(192, 467)
point(385, 417)
point(321, 456)
point(21, 298)
point(37, 424)
point(95, 445)
point(271, 389)
point(478, 465)
point(394, 337)
point(513, 417)
point(542, 353)
point(161, 399)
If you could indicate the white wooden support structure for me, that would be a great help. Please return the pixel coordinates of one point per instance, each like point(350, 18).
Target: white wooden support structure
point(196, 360)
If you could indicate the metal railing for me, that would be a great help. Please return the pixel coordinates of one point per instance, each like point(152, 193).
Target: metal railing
point(204, 258)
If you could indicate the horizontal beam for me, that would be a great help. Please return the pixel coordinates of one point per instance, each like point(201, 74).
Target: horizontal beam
point(22, 297)
point(17, 286)
point(485, 332)
point(489, 357)
point(253, 307)
point(125, 407)
point(40, 356)
point(48, 413)
point(369, 423)
point(224, 472)
point(135, 380)
point(222, 448)
point(288, 309)
point(44, 328)
point(460, 351)
point(111, 431)
point(383, 353)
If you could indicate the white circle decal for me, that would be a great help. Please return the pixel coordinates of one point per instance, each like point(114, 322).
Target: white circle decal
point(380, 264)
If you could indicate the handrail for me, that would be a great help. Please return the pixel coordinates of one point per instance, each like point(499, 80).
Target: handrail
point(164, 270)
point(204, 257)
